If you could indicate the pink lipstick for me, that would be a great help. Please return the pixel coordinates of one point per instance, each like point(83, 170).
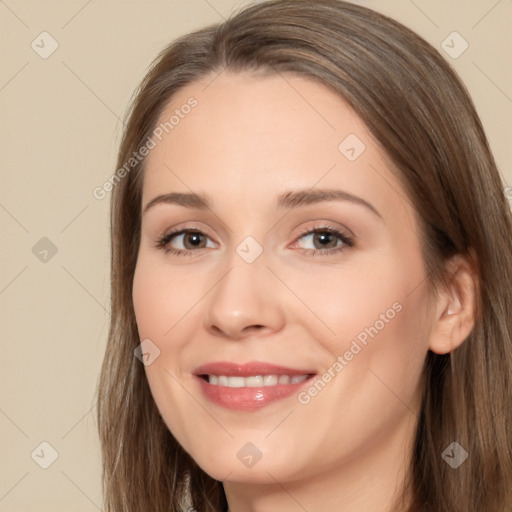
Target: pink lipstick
point(249, 386)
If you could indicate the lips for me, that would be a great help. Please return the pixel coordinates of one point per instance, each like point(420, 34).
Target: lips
point(249, 386)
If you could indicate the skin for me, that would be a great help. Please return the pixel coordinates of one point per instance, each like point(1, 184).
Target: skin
point(250, 139)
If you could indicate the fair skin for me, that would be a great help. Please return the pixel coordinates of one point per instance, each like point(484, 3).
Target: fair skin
point(249, 140)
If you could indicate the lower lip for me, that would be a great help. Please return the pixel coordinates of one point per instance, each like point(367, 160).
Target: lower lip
point(248, 399)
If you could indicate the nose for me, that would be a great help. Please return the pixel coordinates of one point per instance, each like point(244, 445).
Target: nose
point(245, 302)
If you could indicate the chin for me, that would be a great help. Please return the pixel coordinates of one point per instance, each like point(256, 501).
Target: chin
point(243, 462)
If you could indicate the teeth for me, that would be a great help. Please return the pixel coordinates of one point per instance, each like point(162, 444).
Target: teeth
point(236, 382)
point(270, 380)
point(254, 380)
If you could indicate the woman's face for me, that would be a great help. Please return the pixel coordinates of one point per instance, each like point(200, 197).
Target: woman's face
point(288, 333)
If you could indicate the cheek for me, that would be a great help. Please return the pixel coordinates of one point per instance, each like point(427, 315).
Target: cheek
point(162, 297)
point(160, 302)
point(376, 312)
point(383, 335)
point(372, 375)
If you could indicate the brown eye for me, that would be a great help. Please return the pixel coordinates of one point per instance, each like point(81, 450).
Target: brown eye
point(326, 240)
point(183, 242)
point(194, 240)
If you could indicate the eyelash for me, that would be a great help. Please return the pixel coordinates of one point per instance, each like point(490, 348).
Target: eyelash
point(348, 241)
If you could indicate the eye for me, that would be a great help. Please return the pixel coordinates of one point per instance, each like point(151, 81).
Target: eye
point(325, 240)
point(188, 241)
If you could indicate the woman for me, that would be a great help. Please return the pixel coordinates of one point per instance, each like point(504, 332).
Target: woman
point(311, 256)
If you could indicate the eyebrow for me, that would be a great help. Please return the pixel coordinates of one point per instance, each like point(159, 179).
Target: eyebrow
point(290, 199)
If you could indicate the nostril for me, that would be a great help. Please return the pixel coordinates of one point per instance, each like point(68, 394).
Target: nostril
point(250, 327)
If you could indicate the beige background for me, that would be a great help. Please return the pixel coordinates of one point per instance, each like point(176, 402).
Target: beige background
point(60, 129)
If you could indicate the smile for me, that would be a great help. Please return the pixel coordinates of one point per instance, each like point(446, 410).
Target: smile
point(253, 381)
point(249, 386)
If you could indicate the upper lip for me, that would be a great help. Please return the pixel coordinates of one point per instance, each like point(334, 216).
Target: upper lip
point(248, 369)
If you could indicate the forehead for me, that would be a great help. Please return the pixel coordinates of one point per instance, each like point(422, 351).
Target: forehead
point(252, 136)
point(254, 111)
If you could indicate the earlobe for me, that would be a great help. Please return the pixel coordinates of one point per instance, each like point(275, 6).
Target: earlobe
point(455, 312)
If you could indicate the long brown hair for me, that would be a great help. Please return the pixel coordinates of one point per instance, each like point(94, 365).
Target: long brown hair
point(419, 111)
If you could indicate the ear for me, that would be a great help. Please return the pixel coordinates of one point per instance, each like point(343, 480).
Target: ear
point(455, 310)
